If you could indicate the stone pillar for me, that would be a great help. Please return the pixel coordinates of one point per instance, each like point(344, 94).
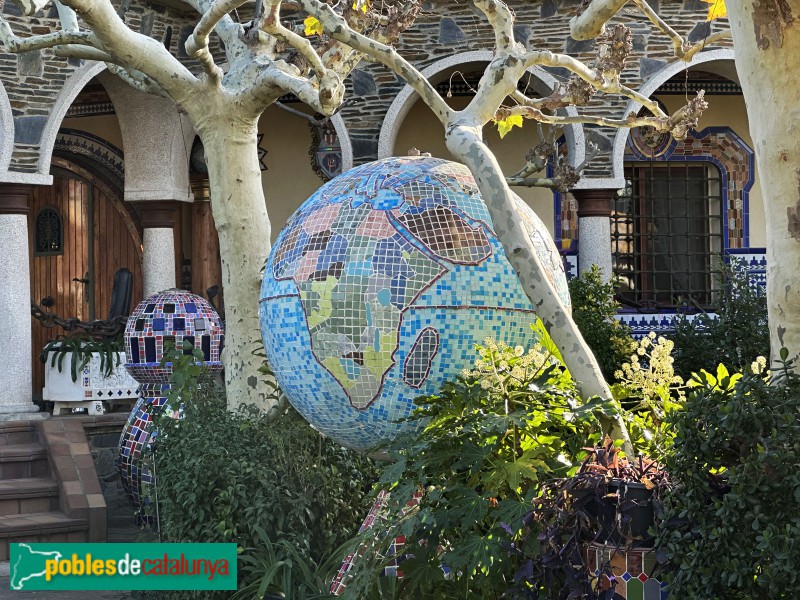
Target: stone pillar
point(158, 268)
point(594, 229)
point(16, 393)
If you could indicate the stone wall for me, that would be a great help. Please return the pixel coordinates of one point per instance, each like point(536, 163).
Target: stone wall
point(103, 434)
point(34, 80)
point(448, 28)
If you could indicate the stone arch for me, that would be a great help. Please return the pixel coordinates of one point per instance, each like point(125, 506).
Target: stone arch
point(72, 87)
point(91, 153)
point(723, 56)
point(544, 83)
point(344, 141)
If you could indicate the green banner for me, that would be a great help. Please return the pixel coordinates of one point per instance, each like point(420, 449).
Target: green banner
point(123, 567)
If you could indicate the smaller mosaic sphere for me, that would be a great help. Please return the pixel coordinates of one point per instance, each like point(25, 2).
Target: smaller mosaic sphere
point(381, 285)
point(174, 315)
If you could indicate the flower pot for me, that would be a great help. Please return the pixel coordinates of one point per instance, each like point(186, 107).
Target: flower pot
point(625, 515)
point(631, 574)
point(92, 386)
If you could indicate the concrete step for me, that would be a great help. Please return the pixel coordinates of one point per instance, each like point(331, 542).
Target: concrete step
point(28, 495)
point(23, 460)
point(49, 526)
point(17, 432)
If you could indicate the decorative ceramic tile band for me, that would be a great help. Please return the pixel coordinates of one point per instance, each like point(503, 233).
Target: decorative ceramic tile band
point(631, 572)
point(752, 260)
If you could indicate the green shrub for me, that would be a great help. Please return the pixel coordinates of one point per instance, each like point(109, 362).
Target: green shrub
point(738, 334)
point(491, 438)
point(733, 521)
point(594, 310)
point(248, 478)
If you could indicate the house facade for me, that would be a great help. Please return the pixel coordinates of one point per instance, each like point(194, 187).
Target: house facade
point(95, 176)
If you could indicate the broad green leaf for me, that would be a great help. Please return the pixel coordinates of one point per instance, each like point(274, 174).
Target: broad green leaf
point(507, 124)
point(471, 506)
point(313, 26)
point(546, 341)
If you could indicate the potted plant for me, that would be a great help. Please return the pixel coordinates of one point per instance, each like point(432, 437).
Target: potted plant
point(83, 372)
point(593, 535)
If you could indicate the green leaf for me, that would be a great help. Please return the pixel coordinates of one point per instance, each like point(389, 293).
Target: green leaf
point(470, 505)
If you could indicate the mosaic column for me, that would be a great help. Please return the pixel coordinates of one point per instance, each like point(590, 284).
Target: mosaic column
point(594, 229)
point(16, 403)
point(172, 317)
point(158, 264)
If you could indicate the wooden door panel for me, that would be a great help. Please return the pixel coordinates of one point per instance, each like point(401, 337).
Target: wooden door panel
point(99, 237)
point(116, 245)
point(52, 275)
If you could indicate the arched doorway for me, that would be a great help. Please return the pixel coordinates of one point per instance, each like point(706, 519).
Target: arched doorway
point(81, 233)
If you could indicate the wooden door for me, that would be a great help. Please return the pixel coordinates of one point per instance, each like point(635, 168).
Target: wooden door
point(76, 268)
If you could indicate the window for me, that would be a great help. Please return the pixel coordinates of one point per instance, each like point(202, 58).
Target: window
point(48, 232)
point(666, 234)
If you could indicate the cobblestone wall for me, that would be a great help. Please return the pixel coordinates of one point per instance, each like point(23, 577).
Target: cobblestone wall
point(32, 81)
point(104, 446)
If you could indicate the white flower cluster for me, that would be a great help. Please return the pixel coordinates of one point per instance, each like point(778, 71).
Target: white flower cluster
point(759, 366)
point(650, 370)
point(500, 367)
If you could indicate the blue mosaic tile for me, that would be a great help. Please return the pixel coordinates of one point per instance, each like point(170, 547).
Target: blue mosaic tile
point(379, 288)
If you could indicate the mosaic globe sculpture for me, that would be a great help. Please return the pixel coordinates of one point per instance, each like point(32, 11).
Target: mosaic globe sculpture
point(172, 316)
point(380, 286)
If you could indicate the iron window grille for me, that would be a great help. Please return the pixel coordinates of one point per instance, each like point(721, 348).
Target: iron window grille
point(667, 234)
point(48, 232)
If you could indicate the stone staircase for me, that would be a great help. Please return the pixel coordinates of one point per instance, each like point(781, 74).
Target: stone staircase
point(49, 490)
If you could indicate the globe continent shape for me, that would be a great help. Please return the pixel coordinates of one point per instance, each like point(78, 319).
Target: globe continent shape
point(379, 288)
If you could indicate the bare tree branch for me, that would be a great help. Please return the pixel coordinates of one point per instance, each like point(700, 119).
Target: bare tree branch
point(137, 80)
point(83, 52)
point(272, 81)
point(684, 50)
point(299, 113)
point(501, 20)
point(544, 182)
point(229, 31)
point(67, 16)
point(338, 28)
point(134, 50)
point(197, 44)
point(16, 44)
point(271, 24)
point(591, 22)
point(592, 77)
point(678, 125)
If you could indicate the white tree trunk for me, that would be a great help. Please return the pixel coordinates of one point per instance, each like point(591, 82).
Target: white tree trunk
point(767, 42)
point(464, 140)
point(240, 214)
